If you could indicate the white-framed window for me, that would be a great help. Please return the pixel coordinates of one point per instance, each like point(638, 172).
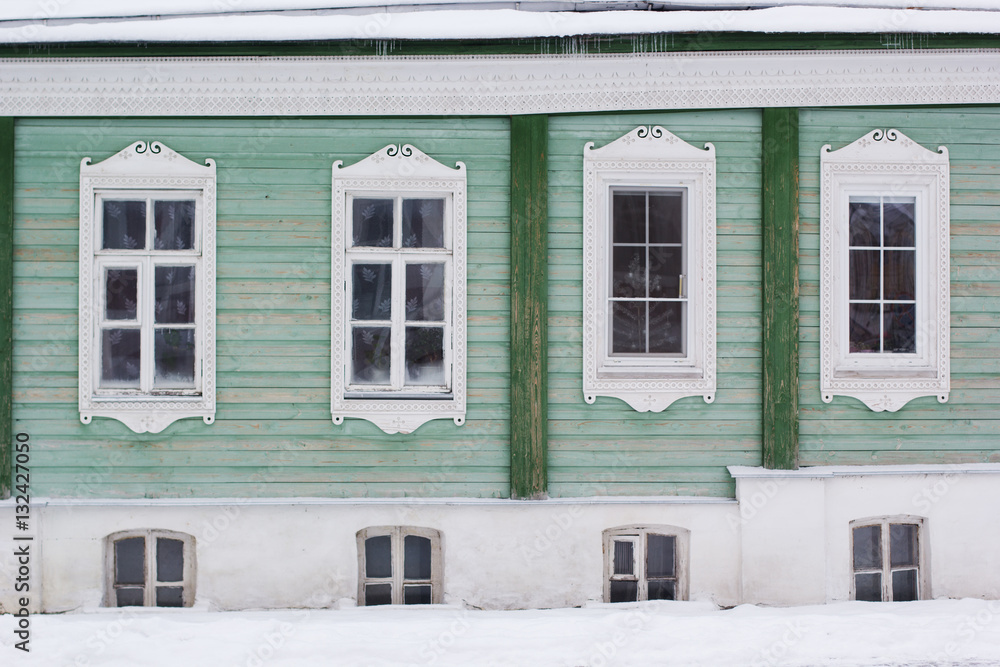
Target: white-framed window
point(147, 288)
point(149, 568)
point(645, 563)
point(889, 559)
point(649, 270)
point(399, 293)
point(884, 255)
point(399, 565)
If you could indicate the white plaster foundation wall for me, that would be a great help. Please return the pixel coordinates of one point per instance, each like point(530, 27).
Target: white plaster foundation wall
point(303, 553)
point(796, 527)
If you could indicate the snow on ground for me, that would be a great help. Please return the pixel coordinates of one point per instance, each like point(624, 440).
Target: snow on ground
point(939, 632)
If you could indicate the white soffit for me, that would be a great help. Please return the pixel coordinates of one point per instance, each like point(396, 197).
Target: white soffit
point(493, 85)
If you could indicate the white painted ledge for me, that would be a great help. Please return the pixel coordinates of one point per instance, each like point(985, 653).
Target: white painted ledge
point(741, 472)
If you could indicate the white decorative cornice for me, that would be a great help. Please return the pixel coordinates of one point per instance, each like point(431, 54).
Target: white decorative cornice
point(492, 85)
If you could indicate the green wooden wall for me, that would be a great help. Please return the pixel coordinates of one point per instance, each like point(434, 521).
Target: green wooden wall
point(273, 435)
point(965, 429)
point(608, 448)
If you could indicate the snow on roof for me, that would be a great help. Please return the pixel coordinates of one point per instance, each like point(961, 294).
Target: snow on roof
point(51, 21)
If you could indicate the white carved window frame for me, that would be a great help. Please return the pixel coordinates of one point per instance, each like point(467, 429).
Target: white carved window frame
point(885, 163)
point(393, 171)
point(147, 170)
point(650, 157)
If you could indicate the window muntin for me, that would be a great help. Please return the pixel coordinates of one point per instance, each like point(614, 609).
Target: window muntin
point(399, 565)
point(399, 274)
point(886, 559)
point(150, 568)
point(645, 563)
point(148, 277)
point(646, 297)
point(882, 293)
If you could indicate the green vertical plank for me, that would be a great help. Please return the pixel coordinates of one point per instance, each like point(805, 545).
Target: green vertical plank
point(528, 306)
point(780, 317)
point(6, 299)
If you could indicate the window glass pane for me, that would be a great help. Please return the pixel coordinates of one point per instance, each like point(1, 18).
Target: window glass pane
point(371, 355)
point(660, 590)
point(898, 219)
point(169, 596)
point(868, 587)
point(900, 275)
point(666, 218)
point(169, 559)
point(624, 591)
point(130, 561)
point(378, 556)
point(629, 217)
point(864, 330)
point(120, 358)
point(174, 294)
point(867, 547)
point(416, 557)
point(902, 544)
point(173, 225)
point(121, 289)
point(659, 555)
point(124, 225)
point(376, 594)
point(425, 356)
point(666, 264)
point(866, 272)
point(129, 597)
point(628, 276)
point(900, 328)
point(425, 292)
point(624, 557)
point(666, 327)
point(372, 286)
point(423, 223)
point(417, 594)
point(864, 222)
point(373, 222)
point(174, 358)
point(628, 326)
point(904, 585)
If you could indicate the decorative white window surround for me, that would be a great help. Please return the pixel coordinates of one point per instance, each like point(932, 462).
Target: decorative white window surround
point(886, 163)
point(145, 171)
point(393, 172)
point(650, 158)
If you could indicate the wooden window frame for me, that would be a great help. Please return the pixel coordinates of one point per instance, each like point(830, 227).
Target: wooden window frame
point(149, 586)
point(923, 560)
point(398, 534)
point(149, 172)
point(638, 534)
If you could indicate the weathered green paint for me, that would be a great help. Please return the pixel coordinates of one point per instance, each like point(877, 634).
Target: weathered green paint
point(6, 301)
point(966, 429)
point(663, 42)
point(608, 448)
point(528, 306)
point(780, 285)
point(273, 435)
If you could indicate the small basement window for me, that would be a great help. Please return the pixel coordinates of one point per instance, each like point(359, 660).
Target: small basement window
point(645, 563)
point(399, 565)
point(149, 568)
point(887, 559)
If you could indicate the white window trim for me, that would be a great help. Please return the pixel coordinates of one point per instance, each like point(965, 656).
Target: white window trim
point(891, 164)
point(143, 170)
point(398, 534)
point(923, 558)
point(682, 540)
point(398, 170)
point(650, 157)
point(149, 588)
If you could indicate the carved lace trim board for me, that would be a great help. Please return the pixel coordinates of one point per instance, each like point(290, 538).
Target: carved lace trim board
point(493, 85)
